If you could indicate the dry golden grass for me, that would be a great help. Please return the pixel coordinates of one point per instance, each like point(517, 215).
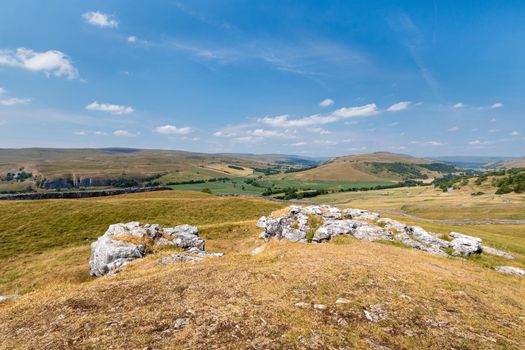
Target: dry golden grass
point(225, 169)
point(249, 302)
point(354, 168)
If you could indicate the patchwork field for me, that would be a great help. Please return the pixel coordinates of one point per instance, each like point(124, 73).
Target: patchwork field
point(240, 185)
point(263, 301)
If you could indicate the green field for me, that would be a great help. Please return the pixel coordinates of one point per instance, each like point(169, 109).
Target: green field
point(234, 186)
point(239, 186)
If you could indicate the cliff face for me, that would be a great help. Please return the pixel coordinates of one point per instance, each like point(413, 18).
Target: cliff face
point(75, 182)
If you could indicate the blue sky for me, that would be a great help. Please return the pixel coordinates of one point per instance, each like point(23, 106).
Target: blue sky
point(318, 78)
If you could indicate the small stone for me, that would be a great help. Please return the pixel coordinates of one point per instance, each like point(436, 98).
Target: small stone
point(342, 301)
point(175, 258)
point(302, 304)
point(320, 306)
point(258, 250)
point(181, 322)
point(375, 314)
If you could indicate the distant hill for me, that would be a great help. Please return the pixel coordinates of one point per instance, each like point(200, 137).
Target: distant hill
point(379, 166)
point(508, 163)
point(473, 161)
point(93, 167)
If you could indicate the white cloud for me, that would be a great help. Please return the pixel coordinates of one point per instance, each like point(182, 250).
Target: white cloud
point(14, 101)
point(493, 120)
point(110, 108)
point(494, 130)
point(80, 133)
point(99, 19)
point(515, 133)
point(478, 142)
point(298, 144)
point(121, 132)
point(172, 130)
point(2, 91)
point(393, 124)
point(267, 133)
point(496, 105)
point(317, 119)
point(326, 102)
point(50, 62)
point(132, 39)
point(320, 131)
point(399, 106)
point(458, 105)
point(453, 129)
point(397, 148)
point(326, 142)
point(435, 143)
point(100, 133)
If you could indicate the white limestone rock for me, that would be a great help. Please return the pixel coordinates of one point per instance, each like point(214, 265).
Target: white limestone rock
point(123, 243)
point(360, 214)
point(497, 252)
point(464, 245)
point(510, 270)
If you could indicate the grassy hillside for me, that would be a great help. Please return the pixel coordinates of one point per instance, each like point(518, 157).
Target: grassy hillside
point(71, 166)
point(514, 163)
point(375, 167)
point(246, 301)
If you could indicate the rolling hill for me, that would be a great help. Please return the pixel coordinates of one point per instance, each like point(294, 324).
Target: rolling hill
point(382, 166)
point(514, 163)
point(94, 167)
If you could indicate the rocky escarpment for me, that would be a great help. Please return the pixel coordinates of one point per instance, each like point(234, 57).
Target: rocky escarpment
point(80, 194)
point(123, 243)
point(320, 223)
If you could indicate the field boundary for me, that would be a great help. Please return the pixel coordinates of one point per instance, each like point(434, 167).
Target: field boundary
point(80, 194)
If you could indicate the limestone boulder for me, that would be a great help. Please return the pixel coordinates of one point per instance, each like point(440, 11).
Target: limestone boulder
point(464, 245)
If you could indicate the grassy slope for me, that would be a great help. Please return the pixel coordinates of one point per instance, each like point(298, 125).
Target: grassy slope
point(353, 168)
point(234, 185)
point(514, 163)
point(243, 301)
point(101, 163)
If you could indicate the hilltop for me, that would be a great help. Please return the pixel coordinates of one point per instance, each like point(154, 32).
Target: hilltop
point(381, 166)
point(259, 295)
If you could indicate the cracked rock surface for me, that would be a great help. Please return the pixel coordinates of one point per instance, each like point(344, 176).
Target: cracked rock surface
point(123, 243)
point(321, 223)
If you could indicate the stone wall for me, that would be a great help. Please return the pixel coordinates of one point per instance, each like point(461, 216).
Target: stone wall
point(79, 194)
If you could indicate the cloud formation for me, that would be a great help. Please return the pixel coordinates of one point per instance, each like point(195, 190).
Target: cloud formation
point(99, 19)
point(109, 108)
point(317, 119)
point(124, 133)
point(396, 107)
point(172, 130)
point(14, 101)
point(326, 102)
point(52, 62)
point(458, 105)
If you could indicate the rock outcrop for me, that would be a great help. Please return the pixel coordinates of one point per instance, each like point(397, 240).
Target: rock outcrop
point(320, 223)
point(510, 270)
point(123, 243)
point(464, 245)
